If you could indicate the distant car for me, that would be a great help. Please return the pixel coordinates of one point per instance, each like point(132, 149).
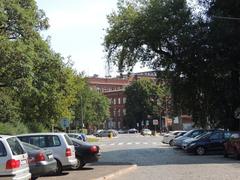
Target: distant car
point(210, 141)
point(13, 159)
point(232, 145)
point(146, 132)
point(85, 153)
point(169, 137)
point(79, 136)
point(132, 131)
point(121, 131)
point(41, 162)
point(190, 134)
point(97, 132)
point(59, 143)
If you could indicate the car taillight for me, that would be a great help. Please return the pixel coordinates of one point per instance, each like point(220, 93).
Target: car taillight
point(40, 157)
point(68, 152)
point(12, 164)
point(93, 149)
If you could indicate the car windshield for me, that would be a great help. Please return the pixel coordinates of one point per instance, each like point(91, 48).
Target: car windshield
point(15, 146)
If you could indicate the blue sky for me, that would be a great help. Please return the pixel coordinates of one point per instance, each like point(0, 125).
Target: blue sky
point(76, 29)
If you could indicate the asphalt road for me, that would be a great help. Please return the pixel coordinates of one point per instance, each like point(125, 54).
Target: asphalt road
point(155, 161)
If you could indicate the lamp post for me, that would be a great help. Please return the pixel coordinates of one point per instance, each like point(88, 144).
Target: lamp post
point(81, 113)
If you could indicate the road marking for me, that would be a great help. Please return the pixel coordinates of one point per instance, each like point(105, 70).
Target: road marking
point(120, 143)
point(137, 142)
point(112, 144)
point(145, 143)
point(129, 143)
point(154, 143)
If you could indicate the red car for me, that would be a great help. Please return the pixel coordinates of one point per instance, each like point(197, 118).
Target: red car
point(232, 146)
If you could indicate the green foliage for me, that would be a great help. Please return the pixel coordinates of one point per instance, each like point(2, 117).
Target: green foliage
point(13, 128)
point(37, 88)
point(144, 98)
point(199, 52)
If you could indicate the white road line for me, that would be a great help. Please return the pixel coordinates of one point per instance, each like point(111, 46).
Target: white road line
point(154, 143)
point(120, 143)
point(137, 142)
point(129, 143)
point(112, 144)
point(145, 143)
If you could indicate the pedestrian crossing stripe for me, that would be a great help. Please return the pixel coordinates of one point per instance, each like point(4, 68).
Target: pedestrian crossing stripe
point(131, 143)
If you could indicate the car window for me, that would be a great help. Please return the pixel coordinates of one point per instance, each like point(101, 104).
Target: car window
point(235, 136)
point(216, 135)
point(15, 146)
point(37, 141)
point(227, 135)
point(52, 141)
point(68, 140)
point(29, 147)
point(3, 151)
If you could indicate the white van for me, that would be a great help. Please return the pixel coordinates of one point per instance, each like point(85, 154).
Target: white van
point(13, 159)
point(59, 143)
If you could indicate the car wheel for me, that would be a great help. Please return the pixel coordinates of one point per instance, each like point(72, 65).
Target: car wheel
point(200, 150)
point(59, 168)
point(80, 164)
point(171, 143)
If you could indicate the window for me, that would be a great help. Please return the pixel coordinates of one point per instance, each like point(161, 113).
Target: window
point(114, 101)
point(15, 146)
point(3, 151)
point(119, 112)
point(68, 140)
point(124, 100)
point(217, 135)
point(37, 141)
point(119, 100)
point(52, 141)
point(124, 111)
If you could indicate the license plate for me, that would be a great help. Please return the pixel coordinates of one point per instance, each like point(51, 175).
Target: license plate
point(23, 162)
point(50, 156)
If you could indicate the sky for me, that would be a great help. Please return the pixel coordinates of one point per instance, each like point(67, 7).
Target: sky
point(77, 30)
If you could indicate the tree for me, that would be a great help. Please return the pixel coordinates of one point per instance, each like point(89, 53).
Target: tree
point(144, 98)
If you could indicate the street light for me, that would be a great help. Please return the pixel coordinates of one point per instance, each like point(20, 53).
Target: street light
point(81, 113)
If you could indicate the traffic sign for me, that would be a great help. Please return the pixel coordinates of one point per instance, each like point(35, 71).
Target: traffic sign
point(155, 122)
point(64, 123)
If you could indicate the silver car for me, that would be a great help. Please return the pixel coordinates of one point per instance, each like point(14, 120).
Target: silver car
point(59, 143)
point(13, 159)
point(41, 161)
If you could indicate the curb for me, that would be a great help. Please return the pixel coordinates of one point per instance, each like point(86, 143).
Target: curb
point(117, 173)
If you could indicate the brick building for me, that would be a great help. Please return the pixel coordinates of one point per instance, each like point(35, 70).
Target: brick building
point(114, 89)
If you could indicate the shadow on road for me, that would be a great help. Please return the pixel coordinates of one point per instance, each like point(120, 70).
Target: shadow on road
point(159, 156)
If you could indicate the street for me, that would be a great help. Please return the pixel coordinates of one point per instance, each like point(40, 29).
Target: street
point(154, 160)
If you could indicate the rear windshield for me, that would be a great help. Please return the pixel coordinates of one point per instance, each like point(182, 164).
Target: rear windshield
point(3, 151)
point(15, 146)
point(29, 147)
point(68, 140)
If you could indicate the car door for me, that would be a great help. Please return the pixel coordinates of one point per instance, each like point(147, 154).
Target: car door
point(216, 140)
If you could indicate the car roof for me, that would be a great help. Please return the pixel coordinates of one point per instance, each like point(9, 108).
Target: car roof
point(6, 136)
point(48, 133)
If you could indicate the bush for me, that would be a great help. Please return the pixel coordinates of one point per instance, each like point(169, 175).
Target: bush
point(13, 128)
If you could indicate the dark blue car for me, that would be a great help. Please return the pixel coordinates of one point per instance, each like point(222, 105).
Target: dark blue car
point(209, 141)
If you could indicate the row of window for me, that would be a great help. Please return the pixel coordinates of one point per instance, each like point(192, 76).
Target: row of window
point(118, 100)
point(117, 112)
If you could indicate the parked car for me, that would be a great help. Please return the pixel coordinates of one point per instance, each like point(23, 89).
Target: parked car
point(79, 136)
point(168, 138)
point(146, 132)
point(232, 145)
point(213, 140)
point(190, 134)
point(107, 133)
point(97, 132)
point(132, 131)
point(85, 153)
point(41, 161)
point(59, 143)
point(13, 159)
point(122, 131)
